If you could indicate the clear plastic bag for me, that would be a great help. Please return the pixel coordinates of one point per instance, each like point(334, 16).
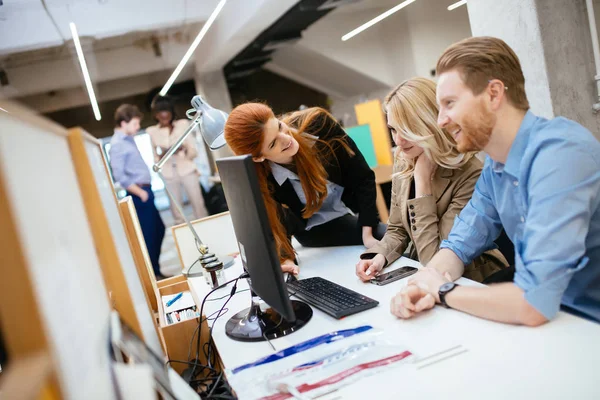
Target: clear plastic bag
point(320, 365)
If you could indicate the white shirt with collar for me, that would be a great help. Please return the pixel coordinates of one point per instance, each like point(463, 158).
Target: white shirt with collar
point(333, 207)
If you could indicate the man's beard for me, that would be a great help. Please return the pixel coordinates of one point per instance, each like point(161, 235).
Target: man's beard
point(476, 130)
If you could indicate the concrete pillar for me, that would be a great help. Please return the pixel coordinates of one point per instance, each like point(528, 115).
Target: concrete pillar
point(213, 88)
point(553, 42)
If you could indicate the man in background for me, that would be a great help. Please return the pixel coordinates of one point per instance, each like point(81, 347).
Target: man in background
point(130, 170)
point(541, 182)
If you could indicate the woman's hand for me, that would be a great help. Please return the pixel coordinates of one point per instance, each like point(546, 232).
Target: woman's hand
point(290, 267)
point(424, 170)
point(368, 238)
point(367, 269)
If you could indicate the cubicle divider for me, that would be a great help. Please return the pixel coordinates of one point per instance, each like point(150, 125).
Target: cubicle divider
point(53, 301)
point(142, 261)
point(116, 260)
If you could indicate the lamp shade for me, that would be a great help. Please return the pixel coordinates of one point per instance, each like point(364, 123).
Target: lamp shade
point(212, 123)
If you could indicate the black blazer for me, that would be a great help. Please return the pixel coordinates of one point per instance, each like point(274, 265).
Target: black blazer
point(350, 172)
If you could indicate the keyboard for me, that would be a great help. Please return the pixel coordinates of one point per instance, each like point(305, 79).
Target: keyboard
point(330, 297)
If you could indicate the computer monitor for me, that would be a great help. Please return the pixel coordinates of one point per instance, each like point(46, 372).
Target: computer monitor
point(259, 257)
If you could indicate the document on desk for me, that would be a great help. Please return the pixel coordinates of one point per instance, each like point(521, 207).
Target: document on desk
point(320, 365)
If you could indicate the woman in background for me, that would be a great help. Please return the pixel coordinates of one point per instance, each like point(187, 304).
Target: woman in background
point(313, 178)
point(432, 183)
point(180, 171)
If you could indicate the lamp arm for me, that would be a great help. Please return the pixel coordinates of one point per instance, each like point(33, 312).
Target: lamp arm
point(201, 246)
point(195, 122)
point(158, 167)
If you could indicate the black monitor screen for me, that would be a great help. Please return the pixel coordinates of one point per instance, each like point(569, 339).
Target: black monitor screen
point(253, 232)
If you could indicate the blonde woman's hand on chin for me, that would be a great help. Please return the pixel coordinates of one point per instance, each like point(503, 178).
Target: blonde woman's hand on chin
point(289, 267)
point(424, 170)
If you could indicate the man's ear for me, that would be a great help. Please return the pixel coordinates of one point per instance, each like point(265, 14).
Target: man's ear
point(496, 91)
point(258, 159)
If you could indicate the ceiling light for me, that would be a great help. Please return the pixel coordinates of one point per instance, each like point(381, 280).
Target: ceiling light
point(376, 20)
point(86, 74)
point(192, 48)
point(457, 4)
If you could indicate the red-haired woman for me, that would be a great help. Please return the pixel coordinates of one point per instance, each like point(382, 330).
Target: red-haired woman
point(316, 184)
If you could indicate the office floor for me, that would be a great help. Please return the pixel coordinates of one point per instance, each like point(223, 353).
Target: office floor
point(169, 260)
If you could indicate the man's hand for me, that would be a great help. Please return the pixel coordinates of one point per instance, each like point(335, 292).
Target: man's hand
point(430, 280)
point(421, 293)
point(411, 300)
point(144, 196)
point(290, 267)
point(367, 269)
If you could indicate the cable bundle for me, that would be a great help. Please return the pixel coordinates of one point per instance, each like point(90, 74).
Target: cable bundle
point(205, 379)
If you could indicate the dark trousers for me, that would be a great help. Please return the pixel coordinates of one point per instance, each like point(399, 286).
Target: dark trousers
point(152, 225)
point(504, 275)
point(342, 231)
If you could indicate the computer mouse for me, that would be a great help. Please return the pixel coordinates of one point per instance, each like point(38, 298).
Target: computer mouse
point(287, 277)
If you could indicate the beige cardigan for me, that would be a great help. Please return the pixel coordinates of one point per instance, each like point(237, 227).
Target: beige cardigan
point(432, 218)
point(182, 162)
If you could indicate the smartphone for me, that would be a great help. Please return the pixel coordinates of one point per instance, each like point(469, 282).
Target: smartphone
point(392, 276)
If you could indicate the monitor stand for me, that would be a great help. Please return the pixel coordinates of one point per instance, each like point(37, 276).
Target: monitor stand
point(254, 324)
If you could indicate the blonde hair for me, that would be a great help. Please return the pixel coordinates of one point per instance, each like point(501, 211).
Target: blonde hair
point(412, 108)
point(481, 59)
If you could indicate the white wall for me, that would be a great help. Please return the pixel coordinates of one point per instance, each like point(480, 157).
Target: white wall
point(553, 43)
point(432, 29)
point(364, 53)
point(516, 22)
point(404, 45)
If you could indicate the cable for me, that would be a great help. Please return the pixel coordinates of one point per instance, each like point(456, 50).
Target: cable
point(192, 266)
point(222, 297)
point(212, 380)
point(264, 334)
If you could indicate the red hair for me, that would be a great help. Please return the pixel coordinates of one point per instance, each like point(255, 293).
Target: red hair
point(244, 134)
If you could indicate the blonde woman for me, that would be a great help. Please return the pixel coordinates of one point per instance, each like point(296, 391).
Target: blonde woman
point(432, 182)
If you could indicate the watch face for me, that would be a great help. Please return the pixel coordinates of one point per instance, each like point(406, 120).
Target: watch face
point(447, 286)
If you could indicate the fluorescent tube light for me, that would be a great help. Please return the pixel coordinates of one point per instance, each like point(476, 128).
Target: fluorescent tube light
point(457, 4)
point(192, 48)
point(376, 20)
point(86, 74)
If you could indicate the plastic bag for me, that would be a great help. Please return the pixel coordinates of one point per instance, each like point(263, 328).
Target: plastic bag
point(319, 366)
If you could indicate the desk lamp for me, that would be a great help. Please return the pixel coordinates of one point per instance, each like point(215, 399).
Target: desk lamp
point(211, 122)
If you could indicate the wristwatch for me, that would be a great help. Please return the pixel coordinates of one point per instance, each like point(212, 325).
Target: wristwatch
point(444, 290)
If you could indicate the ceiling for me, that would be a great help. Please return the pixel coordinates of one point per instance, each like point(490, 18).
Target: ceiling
point(34, 24)
point(123, 41)
point(139, 42)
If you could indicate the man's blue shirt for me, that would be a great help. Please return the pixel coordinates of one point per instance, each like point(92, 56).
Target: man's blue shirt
point(547, 198)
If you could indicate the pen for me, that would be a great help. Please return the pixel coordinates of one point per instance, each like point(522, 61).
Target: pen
point(174, 299)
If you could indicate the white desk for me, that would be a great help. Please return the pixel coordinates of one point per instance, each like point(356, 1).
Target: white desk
point(556, 361)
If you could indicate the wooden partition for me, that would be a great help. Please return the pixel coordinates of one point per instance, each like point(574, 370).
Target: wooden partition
point(116, 259)
point(139, 251)
point(52, 296)
point(142, 260)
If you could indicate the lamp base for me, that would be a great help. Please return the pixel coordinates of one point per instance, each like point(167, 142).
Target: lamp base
point(196, 270)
